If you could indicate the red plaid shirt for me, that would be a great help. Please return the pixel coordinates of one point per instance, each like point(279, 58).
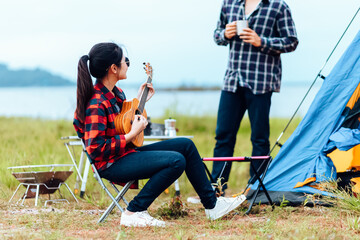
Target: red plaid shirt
point(102, 142)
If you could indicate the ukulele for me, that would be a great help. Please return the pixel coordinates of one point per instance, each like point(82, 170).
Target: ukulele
point(123, 121)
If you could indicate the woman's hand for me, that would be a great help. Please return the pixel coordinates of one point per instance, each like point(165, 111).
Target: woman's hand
point(150, 93)
point(139, 124)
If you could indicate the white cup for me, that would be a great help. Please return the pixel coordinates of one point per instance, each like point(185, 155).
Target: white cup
point(170, 129)
point(240, 25)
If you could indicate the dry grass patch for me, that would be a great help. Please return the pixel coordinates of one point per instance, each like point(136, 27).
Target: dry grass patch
point(78, 221)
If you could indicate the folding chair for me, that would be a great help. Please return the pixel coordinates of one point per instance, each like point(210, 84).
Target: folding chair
point(82, 166)
point(120, 194)
point(264, 159)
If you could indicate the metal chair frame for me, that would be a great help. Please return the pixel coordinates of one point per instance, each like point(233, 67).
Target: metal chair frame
point(82, 166)
point(75, 141)
point(259, 177)
point(120, 193)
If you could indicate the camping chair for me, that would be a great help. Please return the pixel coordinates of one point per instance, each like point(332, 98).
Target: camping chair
point(120, 193)
point(82, 166)
point(41, 182)
point(265, 160)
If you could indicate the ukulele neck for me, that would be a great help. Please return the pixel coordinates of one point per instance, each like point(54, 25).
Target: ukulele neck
point(144, 96)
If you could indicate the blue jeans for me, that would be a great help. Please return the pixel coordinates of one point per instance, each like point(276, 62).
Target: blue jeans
point(232, 108)
point(162, 162)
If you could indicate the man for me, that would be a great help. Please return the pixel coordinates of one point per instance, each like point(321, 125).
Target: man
point(253, 73)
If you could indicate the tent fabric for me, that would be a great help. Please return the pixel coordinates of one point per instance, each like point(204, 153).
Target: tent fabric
point(353, 107)
point(345, 138)
point(345, 161)
point(354, 98)
point(304, 154)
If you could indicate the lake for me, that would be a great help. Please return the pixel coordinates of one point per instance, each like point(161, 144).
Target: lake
point(60, 102)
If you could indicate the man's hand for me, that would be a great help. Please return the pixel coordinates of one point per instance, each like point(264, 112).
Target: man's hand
point(230, 30)
point(250, 36)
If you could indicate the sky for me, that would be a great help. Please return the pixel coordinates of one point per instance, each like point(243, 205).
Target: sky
point(176, 37)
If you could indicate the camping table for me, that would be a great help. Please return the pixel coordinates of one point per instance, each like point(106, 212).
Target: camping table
point(82, 168)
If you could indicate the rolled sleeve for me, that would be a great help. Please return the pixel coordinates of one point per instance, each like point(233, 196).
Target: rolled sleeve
point(219, 33)
point(287, 41)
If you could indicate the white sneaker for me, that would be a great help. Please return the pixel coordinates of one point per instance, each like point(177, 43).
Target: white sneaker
point(140, 219)
point(224, 206)
point(195, 200)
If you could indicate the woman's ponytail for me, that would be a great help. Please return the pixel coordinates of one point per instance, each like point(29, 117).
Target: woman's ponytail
point(102, 55)
point(85, 87)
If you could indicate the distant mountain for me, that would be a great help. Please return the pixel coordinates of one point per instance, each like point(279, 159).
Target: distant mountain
point(30, 78)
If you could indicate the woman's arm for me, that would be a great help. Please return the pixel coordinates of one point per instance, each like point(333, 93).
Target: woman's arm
point(150, 93)
point(101, 147)
point(98, 144)
point(139, 124)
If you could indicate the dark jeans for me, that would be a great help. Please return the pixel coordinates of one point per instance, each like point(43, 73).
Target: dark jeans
point(232, 108)
point(163, 162)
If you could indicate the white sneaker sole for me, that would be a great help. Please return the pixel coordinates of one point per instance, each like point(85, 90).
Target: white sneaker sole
point(236, 204)
point(193, 200)
point(141, 225)
point(242, 198)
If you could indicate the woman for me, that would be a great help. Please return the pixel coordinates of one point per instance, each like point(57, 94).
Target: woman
point(161, 162)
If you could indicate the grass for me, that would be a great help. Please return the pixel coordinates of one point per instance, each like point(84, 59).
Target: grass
point(28, 141)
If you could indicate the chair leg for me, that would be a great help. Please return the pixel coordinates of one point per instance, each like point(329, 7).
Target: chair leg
point(125, 201)
point(260, 179)
point(115, 201)
point(115, 188)
point(117, 191)
point(212, 180)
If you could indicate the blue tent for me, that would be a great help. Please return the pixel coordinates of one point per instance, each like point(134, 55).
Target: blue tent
point(302, 160)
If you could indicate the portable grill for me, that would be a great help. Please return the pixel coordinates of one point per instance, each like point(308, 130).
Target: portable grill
point(41, 182)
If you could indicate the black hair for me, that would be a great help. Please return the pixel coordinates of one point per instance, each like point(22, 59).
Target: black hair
point(101, 57)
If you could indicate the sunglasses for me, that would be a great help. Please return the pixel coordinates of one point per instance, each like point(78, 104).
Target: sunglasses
point(127, 61)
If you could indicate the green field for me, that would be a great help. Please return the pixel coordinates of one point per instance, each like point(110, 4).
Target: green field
point(28, 141)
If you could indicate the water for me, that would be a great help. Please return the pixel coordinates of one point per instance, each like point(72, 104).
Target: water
point(60, 102)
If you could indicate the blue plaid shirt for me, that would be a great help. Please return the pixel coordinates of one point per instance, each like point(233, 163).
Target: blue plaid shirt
point(257, 68)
